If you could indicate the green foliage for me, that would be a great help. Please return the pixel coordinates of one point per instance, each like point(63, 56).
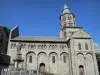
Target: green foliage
point(6, 30)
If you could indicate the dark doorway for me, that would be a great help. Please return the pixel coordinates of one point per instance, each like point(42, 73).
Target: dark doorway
point(81, 70)
point(42, 68)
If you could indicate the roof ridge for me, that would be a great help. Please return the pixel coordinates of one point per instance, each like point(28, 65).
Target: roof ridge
point(41, 36)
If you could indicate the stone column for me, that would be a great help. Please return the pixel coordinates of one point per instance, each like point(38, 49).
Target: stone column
point(59, 65)
point(72, 70)
point(47, 63)
point(85, 64)
point(37, 64)
point(70, 63)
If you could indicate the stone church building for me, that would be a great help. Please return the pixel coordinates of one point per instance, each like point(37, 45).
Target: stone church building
point(71, 53)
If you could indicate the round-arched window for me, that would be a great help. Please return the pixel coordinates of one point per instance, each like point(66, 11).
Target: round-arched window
point(69, 17)
point(79, 46)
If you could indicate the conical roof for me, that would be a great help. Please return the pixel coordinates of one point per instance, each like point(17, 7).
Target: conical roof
point(65, 6)
point(66, 9)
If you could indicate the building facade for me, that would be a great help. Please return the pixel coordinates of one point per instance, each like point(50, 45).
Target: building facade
point(71, 53)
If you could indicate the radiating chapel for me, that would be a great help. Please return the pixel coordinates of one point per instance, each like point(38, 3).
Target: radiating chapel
point(71, 53)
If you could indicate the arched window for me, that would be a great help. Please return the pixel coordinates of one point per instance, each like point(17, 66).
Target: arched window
point(81, 70)
point(86, 46)
point(64, 24)
point(14, 46)
point(65, 34)
point(69, 17)
point(70, 24)
point(64, 59)
point(30, 59)
point(53, 59)
point(11, 45)
point(79, 46)
point(64, 18)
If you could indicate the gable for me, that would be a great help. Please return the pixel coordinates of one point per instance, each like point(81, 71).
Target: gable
point(81, 34)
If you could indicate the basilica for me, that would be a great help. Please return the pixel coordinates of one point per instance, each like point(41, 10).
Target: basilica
point(71, 53)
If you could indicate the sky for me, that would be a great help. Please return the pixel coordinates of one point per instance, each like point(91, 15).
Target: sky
point(41, 17)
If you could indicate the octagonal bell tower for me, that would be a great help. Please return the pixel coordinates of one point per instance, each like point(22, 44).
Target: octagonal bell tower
point(67, 19)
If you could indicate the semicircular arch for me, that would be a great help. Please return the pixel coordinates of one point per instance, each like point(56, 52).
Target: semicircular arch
point(89, 53)
point(65, 53)
point(30, 52)
point(80, 53)
point(42, 53)
point(52, 53)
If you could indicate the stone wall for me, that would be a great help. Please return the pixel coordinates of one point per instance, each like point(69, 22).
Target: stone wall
point(43, 53)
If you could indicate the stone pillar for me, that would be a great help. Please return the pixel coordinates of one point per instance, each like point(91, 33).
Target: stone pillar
point(47, 64)
point(85, 64)
point(70, 62)
point(59, 66)
point(72, 58)
point(37, 64)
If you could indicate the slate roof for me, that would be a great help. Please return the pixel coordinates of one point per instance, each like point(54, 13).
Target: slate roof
point(36, 38)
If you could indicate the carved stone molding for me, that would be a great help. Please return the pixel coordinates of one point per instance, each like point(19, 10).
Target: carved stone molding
point(40, 46)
